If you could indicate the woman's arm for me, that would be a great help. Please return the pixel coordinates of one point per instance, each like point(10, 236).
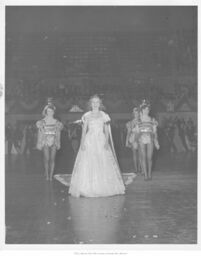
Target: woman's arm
point(106, 131)
point(129, 128)
point(38, 124)
point(84, 131)
point(155, 124)
point(59, 128)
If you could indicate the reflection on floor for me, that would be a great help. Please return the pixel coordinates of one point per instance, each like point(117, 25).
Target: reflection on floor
point(152, 212)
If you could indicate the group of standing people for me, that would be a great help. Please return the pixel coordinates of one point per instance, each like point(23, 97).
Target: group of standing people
point(96, 172)
point(179, 135)
point(20, 139)
point(142, 139)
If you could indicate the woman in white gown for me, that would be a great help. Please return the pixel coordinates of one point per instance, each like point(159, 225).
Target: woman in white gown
point(96, 171)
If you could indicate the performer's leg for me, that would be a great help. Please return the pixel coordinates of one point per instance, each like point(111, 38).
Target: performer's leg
point(144, 159)
point(52, 160)
point(139, 156)
point(135, 159)
point(150, 149)
point(46, 155)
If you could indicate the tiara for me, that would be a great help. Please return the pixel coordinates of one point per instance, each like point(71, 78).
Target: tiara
point(95, 96)
point(145, 103)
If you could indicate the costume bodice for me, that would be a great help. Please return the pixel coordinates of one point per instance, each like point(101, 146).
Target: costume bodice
point(48, 134)
point(95, 124)
point(146, 127)
point(132, 124)
point(50, 129)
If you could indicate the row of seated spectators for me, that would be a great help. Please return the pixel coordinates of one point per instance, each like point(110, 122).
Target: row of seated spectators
point(31, 98)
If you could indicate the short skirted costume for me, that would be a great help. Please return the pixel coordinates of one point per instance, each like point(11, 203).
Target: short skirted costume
point(132, 134)
point(48, 134)
point(147, 131)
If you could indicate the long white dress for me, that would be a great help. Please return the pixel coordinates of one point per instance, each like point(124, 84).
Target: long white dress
point(96, 171)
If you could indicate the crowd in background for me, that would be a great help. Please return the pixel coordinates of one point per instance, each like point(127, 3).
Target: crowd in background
point(25, 97)
point(63, 88)
point(20, 138)
point(176, 135)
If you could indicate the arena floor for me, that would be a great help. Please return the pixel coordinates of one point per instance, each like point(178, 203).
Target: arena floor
point(160, 211)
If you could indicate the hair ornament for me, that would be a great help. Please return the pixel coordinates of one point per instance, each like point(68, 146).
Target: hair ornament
point(49, 105)
point(145, 104)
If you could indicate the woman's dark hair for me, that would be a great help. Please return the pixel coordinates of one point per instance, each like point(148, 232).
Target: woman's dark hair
point(49, 106)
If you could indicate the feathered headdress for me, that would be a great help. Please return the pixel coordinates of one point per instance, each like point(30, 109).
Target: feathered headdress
point(145, 104)
point(49, 105)
point(135, 109)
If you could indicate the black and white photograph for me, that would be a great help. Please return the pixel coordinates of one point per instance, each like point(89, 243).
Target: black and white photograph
point(101, 125)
